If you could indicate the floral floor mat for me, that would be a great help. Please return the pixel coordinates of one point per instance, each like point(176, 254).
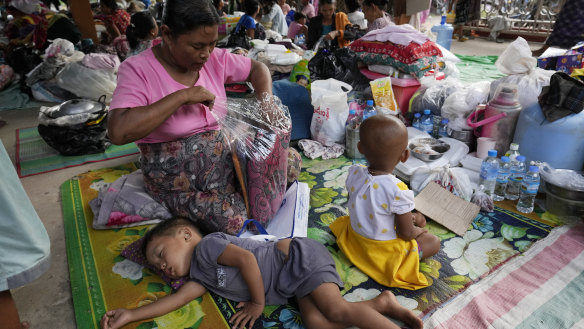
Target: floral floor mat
point(101, 279)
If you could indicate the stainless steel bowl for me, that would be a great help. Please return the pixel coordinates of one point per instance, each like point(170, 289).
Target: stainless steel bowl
point(435, 145)
point(564, 192)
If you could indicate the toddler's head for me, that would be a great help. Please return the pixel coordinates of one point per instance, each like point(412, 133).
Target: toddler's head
point(300, 18)
point(169, 246)
point(384, 141)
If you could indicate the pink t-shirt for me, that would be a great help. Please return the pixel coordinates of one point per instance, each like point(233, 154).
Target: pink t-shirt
point(142, 80)
point(293, 29)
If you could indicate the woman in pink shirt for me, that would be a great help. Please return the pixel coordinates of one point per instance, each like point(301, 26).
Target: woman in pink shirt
point(163, 101)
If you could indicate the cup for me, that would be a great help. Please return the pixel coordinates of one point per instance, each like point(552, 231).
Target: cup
point(484, 144)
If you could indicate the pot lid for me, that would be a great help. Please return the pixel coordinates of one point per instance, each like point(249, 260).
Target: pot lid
point(76, 106)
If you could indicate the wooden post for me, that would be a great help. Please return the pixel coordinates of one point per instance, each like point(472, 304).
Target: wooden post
point(83, 17)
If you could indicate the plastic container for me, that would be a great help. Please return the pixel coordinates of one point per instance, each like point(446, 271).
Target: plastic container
point(351, 141)
point(416, 121)
point(403, 90)
point(444, 32)
point(426, 124)
point(559, 143)
point(502, 179)
point(369, 110)
point(443, 129)
point(514, 183)
point(513, 151)
point(489, 172)
point(529, 188)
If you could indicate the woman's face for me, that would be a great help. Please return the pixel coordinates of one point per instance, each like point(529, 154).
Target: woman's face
point(191, 50)
point(371, 12)
point(327, 10)
point(105, 9)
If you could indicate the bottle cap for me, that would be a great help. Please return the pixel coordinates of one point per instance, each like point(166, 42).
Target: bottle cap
point(520, 158)
point(514, 146)
point(417, 115)
point(505, 159)
point(370, 102)
point(444, 121)
point(427, 111)
point(492, 153)
point(534, 168)
point(352, 111)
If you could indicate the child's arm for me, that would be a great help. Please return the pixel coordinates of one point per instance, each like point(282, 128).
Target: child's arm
point(250, 271)
point(405, 228)
point(118, 318)
point(419, 219)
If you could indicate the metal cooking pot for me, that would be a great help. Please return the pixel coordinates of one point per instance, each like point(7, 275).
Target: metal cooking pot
point(77, 106)
point(564, 192)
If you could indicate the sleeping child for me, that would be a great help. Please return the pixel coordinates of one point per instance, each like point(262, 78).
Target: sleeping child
point(382, 236)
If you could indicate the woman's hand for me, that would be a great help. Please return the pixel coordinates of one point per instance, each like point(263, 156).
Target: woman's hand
point(331, 35)
point(115, 318)
point(249, 312)
point(199, 94)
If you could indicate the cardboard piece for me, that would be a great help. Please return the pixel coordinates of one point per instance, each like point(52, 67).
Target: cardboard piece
point(445, 208)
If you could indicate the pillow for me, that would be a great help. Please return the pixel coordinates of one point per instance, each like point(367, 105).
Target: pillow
point(134, 253)
point(417, 68)
point(404, 54)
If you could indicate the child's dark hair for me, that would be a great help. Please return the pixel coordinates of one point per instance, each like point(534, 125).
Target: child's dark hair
point(298, 16)
point(184, 16)
point(381, 4)
point(109, 3)
point(167, 227)
point(352, 5)
point(251, 7)
point(140, 26)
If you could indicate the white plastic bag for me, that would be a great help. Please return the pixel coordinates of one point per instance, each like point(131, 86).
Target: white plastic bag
point(454, 180)
point(521, 69)
point(329, 99)
point(87, 83)
point(463, 102)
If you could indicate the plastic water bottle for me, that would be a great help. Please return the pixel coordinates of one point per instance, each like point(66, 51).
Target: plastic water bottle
point(514, 183)
point(352, 114)
point(443, 129)
point(489, 172)
point(529, 188)
point(513, 151)
point(426, 122)
point(444, 32)
point(369, 110)
point(416, 121)
point(502, 178)
point(354, 120)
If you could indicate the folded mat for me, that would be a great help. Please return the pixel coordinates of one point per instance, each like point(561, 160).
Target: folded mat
point(101, 279)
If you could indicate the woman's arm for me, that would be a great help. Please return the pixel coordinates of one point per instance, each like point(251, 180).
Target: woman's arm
point(248, 266)
point(118, 318)
point(260, 78)
point(127, 125)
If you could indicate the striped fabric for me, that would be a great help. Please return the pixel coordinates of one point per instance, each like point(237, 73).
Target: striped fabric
point(544, 288)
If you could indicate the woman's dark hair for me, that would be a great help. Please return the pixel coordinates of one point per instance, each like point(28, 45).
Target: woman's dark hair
point(183, 16)
point(327, 2)
point(298, 16)
point(352, 5)
point(109, 3)
point(140, 26)
point(381, 4)
point(251, 6)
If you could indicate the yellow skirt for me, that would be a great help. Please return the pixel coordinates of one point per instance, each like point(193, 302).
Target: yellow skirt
point(393, 263)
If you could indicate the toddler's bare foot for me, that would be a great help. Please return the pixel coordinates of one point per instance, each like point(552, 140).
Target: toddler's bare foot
point(25, 324)
point(392, 308)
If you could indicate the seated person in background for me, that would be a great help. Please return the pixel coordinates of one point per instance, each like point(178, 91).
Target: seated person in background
point(273, 18)
point(375, 14)
point(298, 26)
point(219, 5)
point(255, 274)
point(307, 9)
point(116, 20)
point(382, 236)
point(248, 21)
point(284, 6)
point(28, 26)
point(356, 17)
point(142, 33)
point(329, 24)
point(163, 102)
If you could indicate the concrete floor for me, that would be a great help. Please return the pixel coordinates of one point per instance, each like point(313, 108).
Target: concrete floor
point(47, 303)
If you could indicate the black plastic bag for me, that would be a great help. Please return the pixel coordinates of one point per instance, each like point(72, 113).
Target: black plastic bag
point(337, 63)
point(76, 140)
point(239, 39)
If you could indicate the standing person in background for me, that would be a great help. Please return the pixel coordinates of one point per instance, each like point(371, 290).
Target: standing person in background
point(142, 33)
point(284, 6)
point(466, 11)
point(568, 29)
point(355, 15)
point(307, 9)
point(163, 102)
point(375, 14)
point(329, 24)
point(273, 17)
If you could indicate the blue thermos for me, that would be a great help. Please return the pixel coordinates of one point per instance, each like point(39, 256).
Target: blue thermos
point(444, 32)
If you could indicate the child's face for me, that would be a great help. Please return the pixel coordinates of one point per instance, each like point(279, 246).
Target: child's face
point(171, 253)
point(302, 21)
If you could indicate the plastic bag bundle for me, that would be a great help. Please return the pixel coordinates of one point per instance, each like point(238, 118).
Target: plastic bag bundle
point(258, 132)
point(460, 104)
point(86, 82)
point(456, 181)
point(481, 199)
point(568, 179)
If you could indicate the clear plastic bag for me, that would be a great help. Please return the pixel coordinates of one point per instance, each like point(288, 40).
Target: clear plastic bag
point(87, 83)
point(460, 104)
point(454, 180)
point(258, 132)
point(569, 179)
point(481, 199)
